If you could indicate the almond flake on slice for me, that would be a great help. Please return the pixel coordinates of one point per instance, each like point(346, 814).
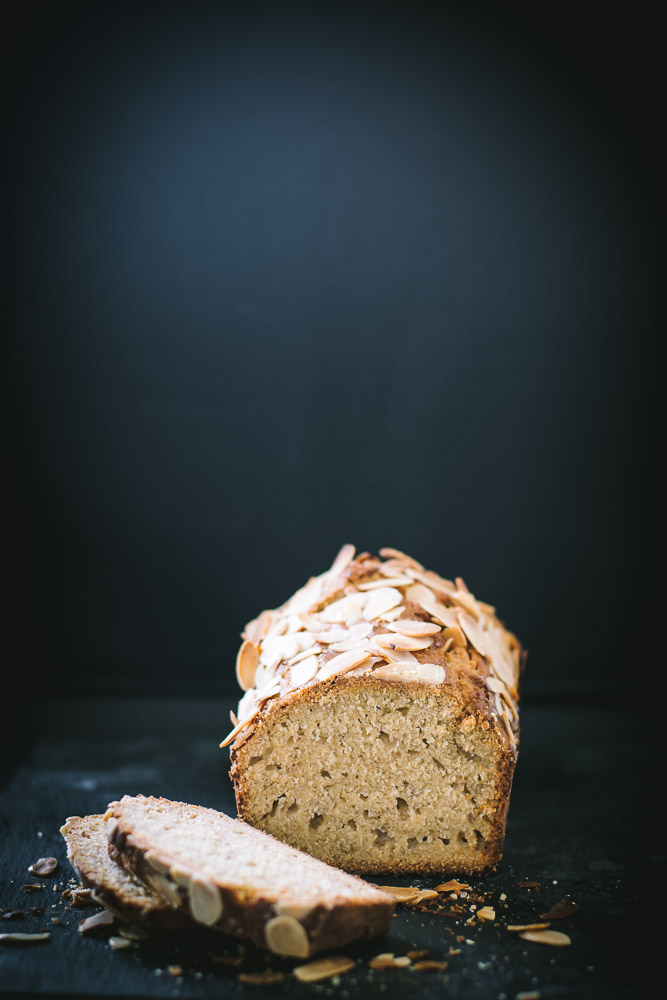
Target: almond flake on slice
point(246, 664)
point(323, 968)
point(556, 938)
point(494, 684)
point(407, 626)
point(388, 553)
point(395, 640)
point(527, 927)
point(343, 662)
point(286, 936)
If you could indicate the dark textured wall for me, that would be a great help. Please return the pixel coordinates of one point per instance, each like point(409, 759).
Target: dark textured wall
point(286, 276)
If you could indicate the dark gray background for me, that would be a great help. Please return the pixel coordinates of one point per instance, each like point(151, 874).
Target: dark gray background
point(285, 276)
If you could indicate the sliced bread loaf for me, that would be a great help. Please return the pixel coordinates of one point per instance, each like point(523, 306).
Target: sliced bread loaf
point(242, 881)
point(112, 885)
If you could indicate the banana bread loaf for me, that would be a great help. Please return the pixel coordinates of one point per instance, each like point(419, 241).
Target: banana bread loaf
point(379, 726)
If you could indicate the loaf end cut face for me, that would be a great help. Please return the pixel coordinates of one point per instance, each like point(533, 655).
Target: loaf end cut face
point(379, 728)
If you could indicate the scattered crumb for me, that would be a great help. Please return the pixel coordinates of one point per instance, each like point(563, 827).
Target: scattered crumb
point(32, 887)
point(452, 886)
point(487, 913)
point(417, 954)
point(530, 885)
point(430, 966)
point(387, 960)
point(175, 970)
point(323, 968)
point(118, 943)
point(527, 927)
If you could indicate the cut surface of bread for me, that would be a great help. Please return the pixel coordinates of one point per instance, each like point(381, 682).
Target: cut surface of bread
point(379, 728)
point(112, 885)
point(230, 876)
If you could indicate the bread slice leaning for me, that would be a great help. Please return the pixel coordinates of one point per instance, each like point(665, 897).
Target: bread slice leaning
point(242, 881)
point(113, 886)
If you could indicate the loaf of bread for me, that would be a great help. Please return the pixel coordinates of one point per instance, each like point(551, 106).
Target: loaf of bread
point(379, 728)
point(113, 886)
point(233, 878)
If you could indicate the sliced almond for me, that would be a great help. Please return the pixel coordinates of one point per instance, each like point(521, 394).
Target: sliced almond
point(437, 610)
point(486, 913)
point(418, 593)
point(17, 937)
point(556, 938)
point(431, 673)
point(430, 966)
point(286, 936)
point(527, 927)
point(407, 626)
point(422, 896)
point(456, 635)
point(237, 729)
point(265, 978)
point(390, 581)
point(247, 662)
point(395, 640)
point(494, 684)
point(165, 888)
point(323, 968)
point(304, 672)
point(342, 663)
point(401, 893)
point(401, 556)
point(387, 960)
point(205, 900)
point(402, 656)
point(380, 601)
point(432, 580)
point(452, 886)
point(311, 651)
point(342, 560)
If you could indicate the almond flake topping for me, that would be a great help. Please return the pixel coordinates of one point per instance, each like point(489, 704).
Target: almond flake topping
point(343, 662)
point(395, 640)
point(401, 557)
point(391, 581)
point(342, 560)
point(304, 671)
point(407, 627)
point(247, 662)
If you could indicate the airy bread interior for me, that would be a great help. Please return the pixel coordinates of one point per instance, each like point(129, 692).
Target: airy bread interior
point(371, 777)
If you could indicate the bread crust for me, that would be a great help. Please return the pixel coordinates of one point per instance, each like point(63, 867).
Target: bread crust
point(469, 695)
point(113, 886)
point(246, 914)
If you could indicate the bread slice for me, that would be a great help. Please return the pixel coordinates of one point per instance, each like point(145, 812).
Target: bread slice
point(113, 886)
point(379, 728)
point(234, 878)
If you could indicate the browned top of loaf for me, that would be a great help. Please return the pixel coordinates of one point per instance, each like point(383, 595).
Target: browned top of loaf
point(385, 618)
point(233, 855)
point(88, 852)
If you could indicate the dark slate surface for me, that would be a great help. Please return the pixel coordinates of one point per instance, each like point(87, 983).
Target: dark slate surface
point(579, 825)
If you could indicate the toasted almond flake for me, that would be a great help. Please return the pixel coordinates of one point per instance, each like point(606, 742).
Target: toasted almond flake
point(431, 673)
point(417, 953)
point(418, 593)
point(388, 553)
point(266, 978)
point(494, 684)
point(237, 729)
point(346, 611)
point(342, 560)
point(387, 960)
point(422, 896)
point(395, 640)
point(430, 966)
point(437, 610)
point(389, 616)
point(98, 922)
point(527, 927)
point(343, 662)
point(486, 913)
point(400, 656)
point(408, 626)
point(323, 968)
point(401, 893)
point(311, 651)
point(556, 938)
point(205, 901)
point(452, 886)
point(246, 664)
point(118, 943)
point(390, 581)
point(434, 582)
point(232, 718)
point(305, 671)
point(20, 938)
point(381, 600)
point(466, 600)
point(456, 635)
point(395, 672)
point(45, 866)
